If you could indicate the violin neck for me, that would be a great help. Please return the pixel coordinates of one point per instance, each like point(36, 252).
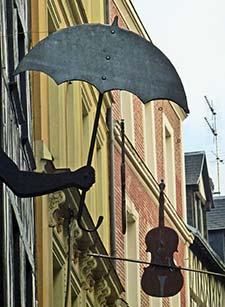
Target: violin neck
point(161, 208)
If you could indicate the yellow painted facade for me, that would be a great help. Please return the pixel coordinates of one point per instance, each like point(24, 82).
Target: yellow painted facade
point(63, 119)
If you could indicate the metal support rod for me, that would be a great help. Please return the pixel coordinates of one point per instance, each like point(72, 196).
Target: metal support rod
point(89, 160)
point(110, 125)
point(123, 177)
point(155, 264)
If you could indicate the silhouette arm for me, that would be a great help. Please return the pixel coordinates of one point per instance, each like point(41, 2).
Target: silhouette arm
point(30, 184)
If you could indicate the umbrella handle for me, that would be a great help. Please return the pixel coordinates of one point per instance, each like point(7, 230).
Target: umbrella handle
point(89, 160)
point(80, 213)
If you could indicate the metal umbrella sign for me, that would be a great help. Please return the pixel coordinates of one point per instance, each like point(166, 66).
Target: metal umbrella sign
point(108, 57)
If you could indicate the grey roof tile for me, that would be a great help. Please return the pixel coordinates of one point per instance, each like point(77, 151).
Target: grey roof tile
point(193, 166)
point(216, 217)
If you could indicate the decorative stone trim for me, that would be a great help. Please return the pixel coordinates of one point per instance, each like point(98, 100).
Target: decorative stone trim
point(76, 231)
point(76, 234)
point(102, 291)
point(87, 265)
point(55, 218)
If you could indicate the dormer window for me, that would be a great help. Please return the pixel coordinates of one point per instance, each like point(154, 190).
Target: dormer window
point(199, 216)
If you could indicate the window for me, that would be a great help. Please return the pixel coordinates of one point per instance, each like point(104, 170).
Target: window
point(58, 283)
point(29, 284)
point(54, 121)
point(175, 300)
point(99, 175)
point(170, 179)
point(156, 302)
point(132, 251)
point(22, 76)
point(74, 299)
point(15, 237)
point(73, 118)
point(56, 112)
point(85, 131)
point(87, 7)
point(149, 131)
point(200, 217)
point(127, 114)
point(74, 292)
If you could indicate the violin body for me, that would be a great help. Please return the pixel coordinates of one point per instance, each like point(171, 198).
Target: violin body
point(162, 278)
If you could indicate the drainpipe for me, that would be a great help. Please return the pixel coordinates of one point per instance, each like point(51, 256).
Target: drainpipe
point(106, 2)
point(111, 185)
point(110, 125)
point(2, 241)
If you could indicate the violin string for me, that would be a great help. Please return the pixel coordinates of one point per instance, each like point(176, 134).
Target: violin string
point(156, 264)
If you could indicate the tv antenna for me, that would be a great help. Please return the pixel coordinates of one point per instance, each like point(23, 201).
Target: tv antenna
point(213, 128)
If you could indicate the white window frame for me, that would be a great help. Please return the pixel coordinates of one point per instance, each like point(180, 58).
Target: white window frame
point(169, 161)
point(132, 295)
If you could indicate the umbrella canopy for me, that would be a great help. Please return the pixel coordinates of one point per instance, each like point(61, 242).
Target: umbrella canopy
point(109, 58)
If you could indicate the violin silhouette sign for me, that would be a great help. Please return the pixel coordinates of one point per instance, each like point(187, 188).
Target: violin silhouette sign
point(108, 57)
point(162, 278)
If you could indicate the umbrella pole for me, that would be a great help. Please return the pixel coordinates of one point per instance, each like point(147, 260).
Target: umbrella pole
point(89, 161)
point(95, 128)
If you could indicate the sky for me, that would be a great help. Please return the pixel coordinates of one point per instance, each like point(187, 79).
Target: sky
point(191, 33)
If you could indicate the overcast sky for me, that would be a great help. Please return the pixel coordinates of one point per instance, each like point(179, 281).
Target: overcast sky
point(192, 35)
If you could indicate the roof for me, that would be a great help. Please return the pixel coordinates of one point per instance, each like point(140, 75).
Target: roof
point(206, 254)
point(216, 217)
point(195, 168)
